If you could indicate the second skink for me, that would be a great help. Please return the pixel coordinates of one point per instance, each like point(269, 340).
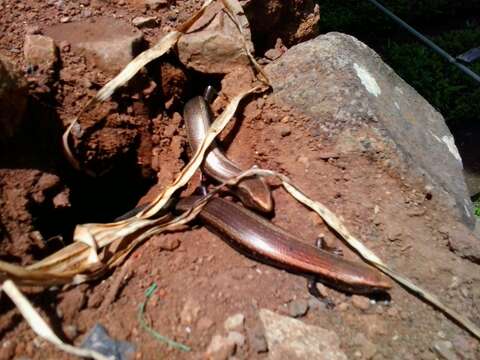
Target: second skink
point(263, 240)
point(253, 192)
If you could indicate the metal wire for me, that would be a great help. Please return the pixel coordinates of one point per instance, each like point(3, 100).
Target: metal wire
point(427, 41)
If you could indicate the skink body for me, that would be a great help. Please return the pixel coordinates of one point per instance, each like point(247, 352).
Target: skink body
point(253, 192)
point(266, 241)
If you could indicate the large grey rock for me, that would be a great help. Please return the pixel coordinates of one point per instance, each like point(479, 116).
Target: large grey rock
point(361, 103)
point(289, 338)
point(13, 99)
point(109, 43)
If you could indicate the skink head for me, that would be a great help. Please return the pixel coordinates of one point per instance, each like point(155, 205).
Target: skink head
point(255, 194)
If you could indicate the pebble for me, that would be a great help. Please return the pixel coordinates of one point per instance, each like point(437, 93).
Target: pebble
point(156, 4)
point(33, 30)
point(343, 306)
point(144, 21)
point(445, 350)
point(71, 331)
point(237, 338)
point(64, 19)
point(220, 348)
point(297, 308)
point(234, 322)
point(190, 311)
point(40, 51)
point(361, 302)
point(273, 54)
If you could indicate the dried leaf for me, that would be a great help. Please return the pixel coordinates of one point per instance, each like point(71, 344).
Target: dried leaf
point(41, 328)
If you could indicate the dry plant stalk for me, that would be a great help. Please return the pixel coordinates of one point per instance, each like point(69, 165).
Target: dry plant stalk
point(40, 327)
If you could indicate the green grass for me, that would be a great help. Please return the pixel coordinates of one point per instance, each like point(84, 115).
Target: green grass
point(450, 91)
point(476, 206)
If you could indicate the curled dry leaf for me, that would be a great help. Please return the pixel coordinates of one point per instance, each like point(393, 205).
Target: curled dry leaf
point(41, 328)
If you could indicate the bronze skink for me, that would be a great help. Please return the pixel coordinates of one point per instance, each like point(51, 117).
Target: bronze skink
point(253, 192)
point(261, 239)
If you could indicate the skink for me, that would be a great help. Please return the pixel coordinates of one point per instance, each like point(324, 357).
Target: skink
point(261, 239)
point(253, 192)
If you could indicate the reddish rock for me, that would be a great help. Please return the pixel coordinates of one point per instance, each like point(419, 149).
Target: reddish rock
point(218, 46)
point(110, 44)
point(268, 20)
point(40, 51)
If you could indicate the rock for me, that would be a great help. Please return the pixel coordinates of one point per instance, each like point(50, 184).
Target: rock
point(71, 331)
point(40, 51)
point(234, 322)
point(156, 4)
point(291, 338)
point(267, 19)
point(364, 107)
point(273, 54)
point(144, 21)
point(237, 338)
point(359, 89)
point(167, 242)
point(218, 47)
point(191, 310)
point(109, 43)
point(220, 348)
point(297, 308)
point(361, 302)
point(445, 350)
point(13, 99)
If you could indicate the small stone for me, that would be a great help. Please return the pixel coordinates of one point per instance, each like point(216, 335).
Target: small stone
point(237, 338)
point(71, 331)
point(293, 337)
point(62, 200)
point(156, 4)
point(33, 30)
point(144, 21)
point(445, 350)
point(297, 308)
point(220, 348)
point(234, 322)
point(64, 19)
point(343, 306)
point(108, 43)
point(167, 242)
point(191, 310)
point(273, 54)
point(285, 131)
point(40, 51)
point(361, 302)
